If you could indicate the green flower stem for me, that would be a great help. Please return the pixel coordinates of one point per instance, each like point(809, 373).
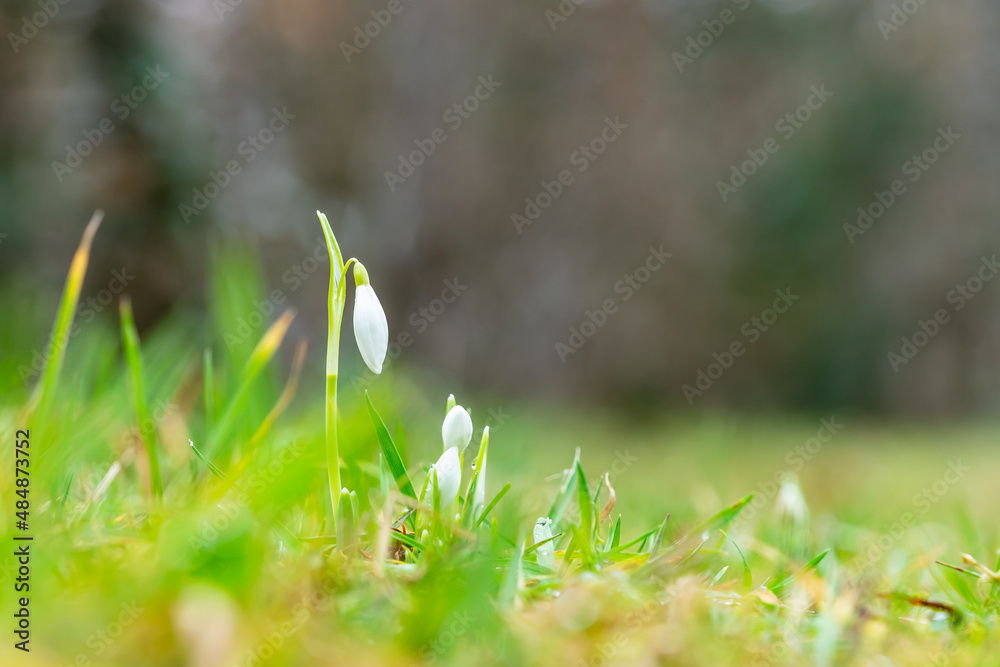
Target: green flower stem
point(338, 297)
point(332, 446)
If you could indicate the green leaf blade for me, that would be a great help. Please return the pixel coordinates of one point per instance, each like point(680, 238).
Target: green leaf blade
point(389, 451)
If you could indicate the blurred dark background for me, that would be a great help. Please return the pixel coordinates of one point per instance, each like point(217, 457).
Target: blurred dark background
point(139, 108)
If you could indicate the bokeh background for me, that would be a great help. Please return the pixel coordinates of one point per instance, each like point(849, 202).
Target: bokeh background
point(139, 108)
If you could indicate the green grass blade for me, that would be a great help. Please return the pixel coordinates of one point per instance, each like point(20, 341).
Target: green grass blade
point(467, 509)
point(62, 329)
point(407, 540)
point(641, 539)
point(747, 581)
point(333, 248)
point(285, 399)
point(65, 494)
point(262, 354)
point(478, 472)
point(722, 519)
point(493, 503)
point(209, 388)
point(586, 524)
point(147, 429)
point(542, 543)
point(808, 567)
point(565, 494)
point(384, 477)
point(346, 520)
point(513, 578)
point(389, 451)
point(967, 596)
point(211, 466)
point(654, 546)
point(616, 535)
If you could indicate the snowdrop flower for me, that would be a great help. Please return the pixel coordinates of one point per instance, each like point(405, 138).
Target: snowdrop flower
point(546, 554)
point(791, 503)
point(456, 431)
point(449, 477)
point(370, 327)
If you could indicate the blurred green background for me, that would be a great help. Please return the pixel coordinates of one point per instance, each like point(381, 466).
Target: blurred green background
point(458, 150)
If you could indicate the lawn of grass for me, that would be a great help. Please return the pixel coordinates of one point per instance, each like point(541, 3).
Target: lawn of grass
point(706, 552)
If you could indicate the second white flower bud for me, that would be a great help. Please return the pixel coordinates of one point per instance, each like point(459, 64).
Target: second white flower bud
point(456, 431)
point(449, 476)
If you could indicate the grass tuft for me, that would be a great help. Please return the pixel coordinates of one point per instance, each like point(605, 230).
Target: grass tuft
point(147, 428)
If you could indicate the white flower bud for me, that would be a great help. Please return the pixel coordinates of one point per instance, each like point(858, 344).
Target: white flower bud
point(545, 554)
point(456, 431)
point(791, 503)
point(370, 327)
point(449, 477)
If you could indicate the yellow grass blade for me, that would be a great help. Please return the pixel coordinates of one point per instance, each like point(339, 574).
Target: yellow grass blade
point(62, 329)
point(259, 358)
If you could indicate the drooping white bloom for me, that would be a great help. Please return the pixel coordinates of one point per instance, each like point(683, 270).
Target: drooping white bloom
point(371, 329)
point(456, 431)
point(449, 477)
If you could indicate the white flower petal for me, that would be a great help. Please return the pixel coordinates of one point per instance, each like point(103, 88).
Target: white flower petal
point(456, 431)
point(370, 327)
point(449, 475)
